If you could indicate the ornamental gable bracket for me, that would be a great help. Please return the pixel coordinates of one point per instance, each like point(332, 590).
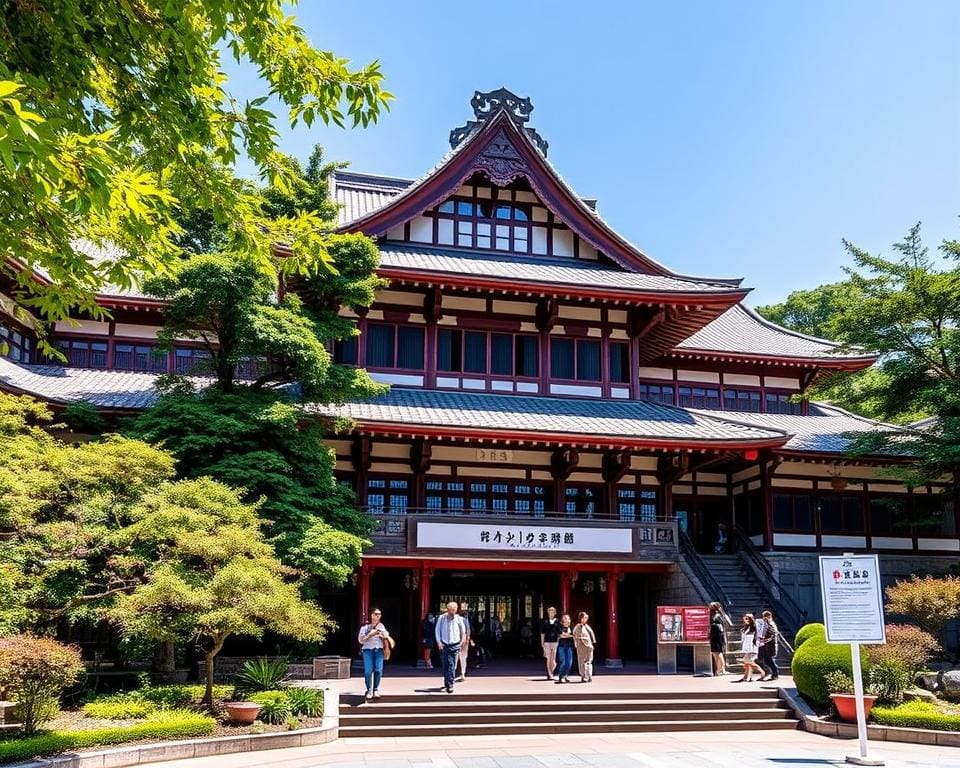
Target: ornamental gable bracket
point(486, 104)
point(563, 462)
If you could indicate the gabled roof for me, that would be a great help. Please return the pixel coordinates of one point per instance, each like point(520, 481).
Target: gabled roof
point(740, 333)
point(500, 149)
point(620, 423)
point(468, 267)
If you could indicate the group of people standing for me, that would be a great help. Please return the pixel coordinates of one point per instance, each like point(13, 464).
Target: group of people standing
point(560, 639)
point(760, 643)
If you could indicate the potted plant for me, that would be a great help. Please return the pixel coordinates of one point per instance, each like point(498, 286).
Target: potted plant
point(243, 712)
point(840, 685)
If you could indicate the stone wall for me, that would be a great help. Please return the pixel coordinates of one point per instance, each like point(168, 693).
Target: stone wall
point(225, 667)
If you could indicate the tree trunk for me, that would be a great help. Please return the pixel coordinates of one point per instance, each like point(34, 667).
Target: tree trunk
point(208, 664)
point(164, 657)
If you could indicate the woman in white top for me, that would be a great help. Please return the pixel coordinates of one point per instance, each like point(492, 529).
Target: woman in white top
point(372, 637)
point(748, 635)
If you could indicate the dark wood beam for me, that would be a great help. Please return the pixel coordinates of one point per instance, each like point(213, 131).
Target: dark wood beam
point(615, 465)
point(433, 305)
point(547, 311)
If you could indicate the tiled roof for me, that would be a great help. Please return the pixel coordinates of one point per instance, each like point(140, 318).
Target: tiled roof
point(573, 272)
point(824, 430)
point(57, 384)
point(633, 420)
point(361, 193)
point(742, 331)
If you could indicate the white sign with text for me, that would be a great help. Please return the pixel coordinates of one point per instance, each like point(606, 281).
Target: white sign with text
point(531, 538)
point(852, 599)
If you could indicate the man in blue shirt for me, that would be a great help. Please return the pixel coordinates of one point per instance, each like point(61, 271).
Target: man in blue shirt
point(451, 635)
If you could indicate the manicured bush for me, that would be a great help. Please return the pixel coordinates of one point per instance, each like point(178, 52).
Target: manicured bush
point(172, 724)
point(275, 706)
point(305, 702)
point(806, 632)
point(814, 659)
point(35, 670)
point(119, 708)
point(916, 714)
point(261, 675)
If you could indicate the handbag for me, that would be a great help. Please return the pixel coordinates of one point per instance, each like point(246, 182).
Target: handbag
point(388, 644)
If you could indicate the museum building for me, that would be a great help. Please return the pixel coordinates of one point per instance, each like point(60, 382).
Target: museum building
point(569, 422)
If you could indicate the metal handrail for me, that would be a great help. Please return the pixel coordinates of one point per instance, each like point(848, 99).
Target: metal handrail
point(385, 510)
point(699, 567)
point(786, 605)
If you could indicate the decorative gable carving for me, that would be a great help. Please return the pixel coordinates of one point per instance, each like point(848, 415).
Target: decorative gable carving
point(500, 162)
point(486, 105)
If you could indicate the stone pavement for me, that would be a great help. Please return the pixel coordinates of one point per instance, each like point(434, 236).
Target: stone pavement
point(717, 749)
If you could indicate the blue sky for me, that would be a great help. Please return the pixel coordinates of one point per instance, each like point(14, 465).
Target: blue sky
point(724, 139)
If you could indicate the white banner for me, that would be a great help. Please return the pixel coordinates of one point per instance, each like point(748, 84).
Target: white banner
point(852, 599)
point(530, 538)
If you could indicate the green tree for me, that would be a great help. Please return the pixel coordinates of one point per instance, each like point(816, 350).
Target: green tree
point(116, 120)
point(814, 311)
point(212, 573)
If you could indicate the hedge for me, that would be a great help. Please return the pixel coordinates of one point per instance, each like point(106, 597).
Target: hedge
point(167, 725)
point(118, 709)
point(916, 714)
point(814, 658)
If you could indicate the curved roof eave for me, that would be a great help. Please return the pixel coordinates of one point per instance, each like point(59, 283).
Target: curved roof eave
point(456, 166)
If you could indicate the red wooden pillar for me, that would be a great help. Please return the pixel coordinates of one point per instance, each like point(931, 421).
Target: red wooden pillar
point(613, 659)
point(564, 593)
point(363, 593)
point(425, 605)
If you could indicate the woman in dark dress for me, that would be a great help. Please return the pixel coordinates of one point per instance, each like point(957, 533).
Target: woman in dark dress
point(718, 639)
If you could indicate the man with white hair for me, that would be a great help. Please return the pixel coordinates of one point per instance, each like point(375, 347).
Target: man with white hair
point(451, 635)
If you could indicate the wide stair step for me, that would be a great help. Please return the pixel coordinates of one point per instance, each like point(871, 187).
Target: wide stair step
point(486, 714)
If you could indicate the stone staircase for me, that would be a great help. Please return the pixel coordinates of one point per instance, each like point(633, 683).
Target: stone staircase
point(439, 714)
point(746, 595)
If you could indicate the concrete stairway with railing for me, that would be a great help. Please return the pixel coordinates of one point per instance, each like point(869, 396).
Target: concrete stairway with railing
point(489, 714)
point(746, 595)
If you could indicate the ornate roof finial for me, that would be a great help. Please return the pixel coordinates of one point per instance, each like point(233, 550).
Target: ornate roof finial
point(486, 105)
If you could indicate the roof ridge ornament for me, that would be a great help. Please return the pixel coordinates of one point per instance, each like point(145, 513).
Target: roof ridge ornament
point(486, 104)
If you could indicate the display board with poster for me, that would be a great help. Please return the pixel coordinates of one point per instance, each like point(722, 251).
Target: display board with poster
point(679, 625)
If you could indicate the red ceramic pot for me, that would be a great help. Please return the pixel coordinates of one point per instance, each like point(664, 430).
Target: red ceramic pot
point(243, 712)
point(846, 704)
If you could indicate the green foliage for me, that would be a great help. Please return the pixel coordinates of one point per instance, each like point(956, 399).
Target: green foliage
point(120, 708)
point(814, 659)
point(165, 725)
point(257, 441)
point(305, 702)
point(35, 671)
point(117, 119)
point(813, 312)
point(888, 680)
point(916, 714)
point(838, 682)
point(84, 418)
point(261, 675)
point(931, 601)
point(807, 631)
point(275, 706)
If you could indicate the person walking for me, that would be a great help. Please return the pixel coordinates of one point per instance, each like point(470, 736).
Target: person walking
point(451, 636)
point(427, 630)
point(769, 645)
point(718, 639)
point(585, 640)
point(565, 646)
point(748, 635)
point(464, 653)
point(549, 635)
point(373, 635)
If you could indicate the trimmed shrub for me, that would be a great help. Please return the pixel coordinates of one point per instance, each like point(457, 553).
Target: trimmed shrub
point(815, 659)
point(261, 675)
point(173, 724)
point(806, 632)
point(119, 708)
point(36, 670)
point(931, 601)
point(916, 714)
point(305, 702)
point(907, 647)
point(838, 682)
point(275, 706)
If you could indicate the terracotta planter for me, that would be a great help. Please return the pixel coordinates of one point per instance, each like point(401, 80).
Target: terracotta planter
point(846, 704)
point(243, 712)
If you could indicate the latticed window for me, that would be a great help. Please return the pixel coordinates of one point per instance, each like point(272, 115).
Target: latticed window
point(139, 357)
point(659, 393)
point(394, 346)
point(575, 359)
point(15, 344)
point(699, 397)
point(746, 400)
point(778, 402)
point(83, 353)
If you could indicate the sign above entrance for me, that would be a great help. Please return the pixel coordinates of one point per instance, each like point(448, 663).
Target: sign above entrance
point(495, 455)
point(529, 538)
point(852, 599)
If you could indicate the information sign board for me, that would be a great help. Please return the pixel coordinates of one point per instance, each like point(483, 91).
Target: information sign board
point(852, 599)
point(683, 624)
